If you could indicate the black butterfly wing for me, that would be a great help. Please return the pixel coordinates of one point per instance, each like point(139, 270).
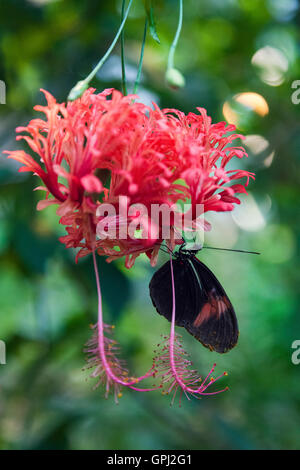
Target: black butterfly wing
point(202, 306)
point(214, 323)
point(185, 291)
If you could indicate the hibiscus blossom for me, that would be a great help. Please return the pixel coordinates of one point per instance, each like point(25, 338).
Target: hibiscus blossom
point(102, 147)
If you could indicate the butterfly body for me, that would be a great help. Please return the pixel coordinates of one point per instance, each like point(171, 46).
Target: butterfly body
point(201, 305)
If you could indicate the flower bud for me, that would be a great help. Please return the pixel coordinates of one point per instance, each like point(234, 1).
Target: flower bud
point(175, 78)
point(78, 90)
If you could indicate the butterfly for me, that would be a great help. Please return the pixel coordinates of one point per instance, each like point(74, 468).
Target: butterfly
point(202, 305)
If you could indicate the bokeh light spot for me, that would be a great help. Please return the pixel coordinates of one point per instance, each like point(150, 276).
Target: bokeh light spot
point(254, 101)
point(248, 216)
point(271, 64)
point(244, 107)
point(259, 147)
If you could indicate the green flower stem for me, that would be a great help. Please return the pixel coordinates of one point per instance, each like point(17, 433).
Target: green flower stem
point(124, 86)
point(82, 85)
point(175, 40)
point(105, 57)
point(138, 76)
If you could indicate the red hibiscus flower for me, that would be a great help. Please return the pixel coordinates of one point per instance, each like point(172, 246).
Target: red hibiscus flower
point(102, 147)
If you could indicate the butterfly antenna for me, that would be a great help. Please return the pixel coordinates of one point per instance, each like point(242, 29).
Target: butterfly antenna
point(231, 249)
point(165, 248)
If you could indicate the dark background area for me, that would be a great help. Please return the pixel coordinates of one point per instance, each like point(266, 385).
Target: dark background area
point(227, 47)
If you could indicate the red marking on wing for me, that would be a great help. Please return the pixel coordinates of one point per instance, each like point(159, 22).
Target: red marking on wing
point(203, 315)
point(222, 306)
point(214, 306)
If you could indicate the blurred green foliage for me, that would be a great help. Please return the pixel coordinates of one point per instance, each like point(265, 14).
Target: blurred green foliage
point(47, 302)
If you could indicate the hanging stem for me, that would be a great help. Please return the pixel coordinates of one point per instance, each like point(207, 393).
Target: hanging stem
point(104, 58)
point(139, 72)
point(109, 372)
point(124, 86)
point(82, 85)
point(172, 332)
point(179, 380)
point(175, 40)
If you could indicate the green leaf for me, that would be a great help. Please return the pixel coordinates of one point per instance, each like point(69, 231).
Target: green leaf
point(150, 15)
